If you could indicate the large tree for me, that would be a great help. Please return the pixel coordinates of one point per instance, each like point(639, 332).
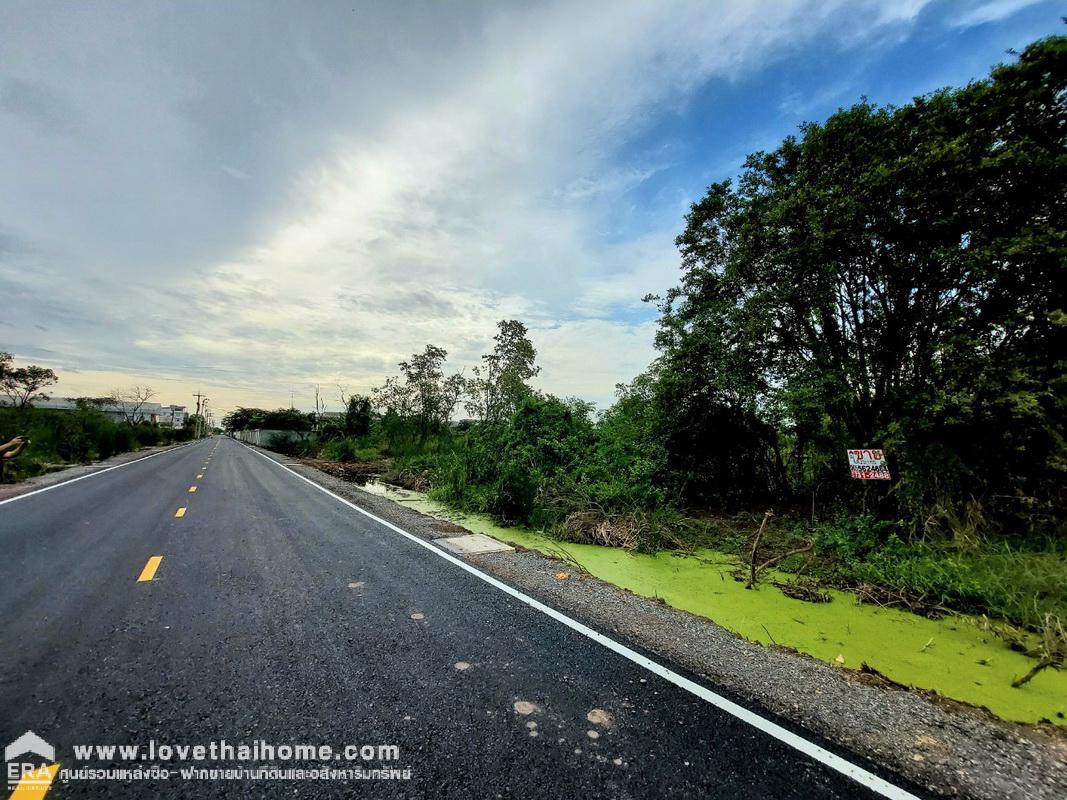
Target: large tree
point(422, 392)
point(24, 385)
point(501, 381)
point(893, 277)
point(357, 415)
point(131, 403)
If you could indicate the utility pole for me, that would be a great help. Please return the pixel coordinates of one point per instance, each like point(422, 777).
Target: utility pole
point(199, 399)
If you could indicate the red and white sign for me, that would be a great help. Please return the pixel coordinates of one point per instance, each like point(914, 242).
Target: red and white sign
point(868, 465)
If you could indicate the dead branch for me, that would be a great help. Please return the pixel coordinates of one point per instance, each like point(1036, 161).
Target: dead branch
point(755, 547)
point(1040, 665)
point(770, 562)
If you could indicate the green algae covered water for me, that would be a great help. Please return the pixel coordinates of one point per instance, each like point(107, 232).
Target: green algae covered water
point(954, 656)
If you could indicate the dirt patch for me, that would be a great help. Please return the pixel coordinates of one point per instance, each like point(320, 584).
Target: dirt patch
point(447, 527)
point(362, 472)
point(807, 589)
point(406, 479)
point(358, 472)
point(627, 531)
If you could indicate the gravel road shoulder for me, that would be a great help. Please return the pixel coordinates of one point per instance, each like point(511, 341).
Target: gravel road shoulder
point(951, 749)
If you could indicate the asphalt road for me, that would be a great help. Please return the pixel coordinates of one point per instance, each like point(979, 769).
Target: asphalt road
point(278, 614)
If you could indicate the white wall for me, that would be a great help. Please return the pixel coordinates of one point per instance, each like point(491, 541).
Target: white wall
point(261, 437)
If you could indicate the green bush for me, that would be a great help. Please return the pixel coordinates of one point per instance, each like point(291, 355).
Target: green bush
point(76, 436)
point(147, 435)
point(282, 443)
point(852, 538)
point(339, 450)
point(519, 472)
point(116, 439)
point(348, 450)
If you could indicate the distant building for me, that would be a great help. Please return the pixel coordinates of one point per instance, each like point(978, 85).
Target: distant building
point(154, 413)
point(172, 416)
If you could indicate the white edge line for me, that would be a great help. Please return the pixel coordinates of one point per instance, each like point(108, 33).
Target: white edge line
point(814, 751)
point(94, 474)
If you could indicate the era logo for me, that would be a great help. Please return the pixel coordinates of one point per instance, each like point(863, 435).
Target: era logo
point(24, 773)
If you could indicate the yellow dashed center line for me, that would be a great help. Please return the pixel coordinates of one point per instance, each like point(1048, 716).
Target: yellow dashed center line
point(192, 488)
point(36, 784)
point(150, 568)
point(180, 512)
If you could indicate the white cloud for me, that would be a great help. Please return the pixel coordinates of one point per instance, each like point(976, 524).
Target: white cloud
point(991, 11)
point(233, 172)
point(494, 195)
point(489, 189)
point(586, 358)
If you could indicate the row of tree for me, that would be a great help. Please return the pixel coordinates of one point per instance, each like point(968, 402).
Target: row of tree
point(422, 393)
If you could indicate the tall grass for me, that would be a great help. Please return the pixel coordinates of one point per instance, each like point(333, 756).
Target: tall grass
point(991, 577)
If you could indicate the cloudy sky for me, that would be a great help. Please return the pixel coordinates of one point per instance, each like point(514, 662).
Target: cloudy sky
point(254, 198)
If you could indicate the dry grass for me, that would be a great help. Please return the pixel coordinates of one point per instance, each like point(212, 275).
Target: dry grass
point(630, 531)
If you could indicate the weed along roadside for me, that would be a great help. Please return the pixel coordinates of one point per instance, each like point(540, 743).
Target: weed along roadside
point(957, 655)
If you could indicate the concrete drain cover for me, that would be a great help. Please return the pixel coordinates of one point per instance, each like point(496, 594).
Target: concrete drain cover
point(473, 544)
